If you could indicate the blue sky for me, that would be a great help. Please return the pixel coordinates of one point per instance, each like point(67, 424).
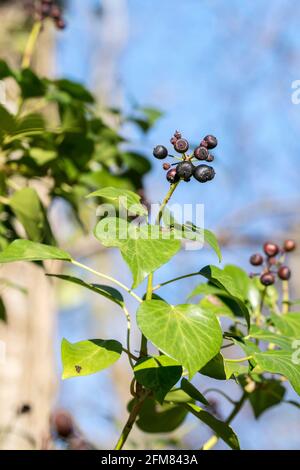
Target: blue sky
point(213, 66)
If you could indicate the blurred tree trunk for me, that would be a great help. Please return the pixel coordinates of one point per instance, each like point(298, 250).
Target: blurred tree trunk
point(28, 374)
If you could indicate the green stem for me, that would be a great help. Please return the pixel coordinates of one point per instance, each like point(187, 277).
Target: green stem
point(130, 422)
point(144, 349)
point(216, 390)
point(242, 359)
point(130, 356)
point(285, 297)
point(175, 279)
point(31, 43)
point(108, 278)
point(212, 441)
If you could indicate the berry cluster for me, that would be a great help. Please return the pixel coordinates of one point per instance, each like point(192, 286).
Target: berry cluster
point(49, 9)
point(273, 262)
point(185, 168)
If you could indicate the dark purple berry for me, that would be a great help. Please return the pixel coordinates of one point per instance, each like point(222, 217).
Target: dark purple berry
point(203, 144)
point(210, 158)
point(272, 260)
point(181, 146)
point(284, 273)
point(201, 153)
point(166, 166)
point(211, 141)
point(271, 249)
point(177, 135)
point(63, 423)
point(173, 140)
point(267, 279)
point(160, 152)
point(256, 260)
point(172, 176)
point(185, 170)
point(289, 245)
point(204, 173)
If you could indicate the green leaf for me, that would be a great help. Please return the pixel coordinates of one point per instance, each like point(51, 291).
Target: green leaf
point(26, 250)
point(223, 280)
point(193, 392)
point(127, 200)
point(158, 373)
point(281, 362)
point(268, 393)
point(42, 156)
point(288, 324)
point(3, 316)
point(5, 70)
point(75, 90)
point(209, 237)
point(31, 85)
point(7, 120)
point(143, 248)
point(156, 418)
point(218, 368)
point(28, 209)
point(219, 308)
point(265, 335)
point(106, 291)
point(221, 429)
point(186, 333)
point(31, 124)
point(177, 395)
point(88, 357)
point(240, 279)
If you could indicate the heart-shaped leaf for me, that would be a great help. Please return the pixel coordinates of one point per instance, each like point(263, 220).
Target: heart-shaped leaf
point(268, 393)
point(158, 373)
point(88, 357)
point(144, 248)
point(126, 199)
point(193, 392)
point(222, 430)
point(187, 333)
point(25, 250)
point(282, 362)
point(288, 324)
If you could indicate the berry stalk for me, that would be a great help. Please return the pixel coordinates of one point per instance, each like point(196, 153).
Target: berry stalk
point(31, 43)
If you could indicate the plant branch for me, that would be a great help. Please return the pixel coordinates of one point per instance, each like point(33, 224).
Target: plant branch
point(108, 278)
point(212, 441)
point(175, 279)
point(242, 359)
point(131, 420)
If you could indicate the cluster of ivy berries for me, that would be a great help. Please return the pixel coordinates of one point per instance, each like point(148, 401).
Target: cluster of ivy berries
point(49, 9)
point(185, 168)
point(273, 262)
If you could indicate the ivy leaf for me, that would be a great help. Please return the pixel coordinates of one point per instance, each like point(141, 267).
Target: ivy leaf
point(28, 209)
point(221, 429)
point(32, 124)
point(106, 291)
point(31, 85)
point(143, 248)
point(208, 236)
point(5, 70)
point(7, 120)
point(88, 357)
point(193, 392)
point(219, 308)
point(240, 278)
point(281, 362)
point(187, 333)
point(127, 200)
point(3, 316)
point(265, 335)
point(223, 280)
point(75, 90)
point(156, 418)
point(158, 373)
point(26, 250)
point(218, 368)
point(268, 393)
point(288, 324)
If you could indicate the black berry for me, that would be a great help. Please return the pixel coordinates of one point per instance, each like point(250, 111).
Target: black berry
point(284, 273)
point(204, 173)
point(267, 279)
point(256, 260)
point(160, 152)
point(185, 170)
point(289, 245)
point(201, 153)
point(210, 158)
point(181, 145)
point(172, 176)
point(211, 141)
point(271, 249)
